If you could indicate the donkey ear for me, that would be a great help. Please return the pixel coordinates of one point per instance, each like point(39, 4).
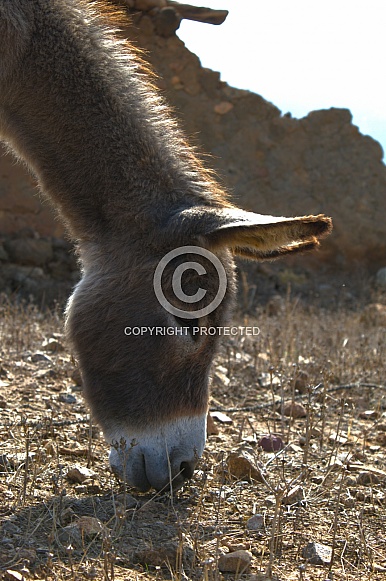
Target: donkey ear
point(253, 235)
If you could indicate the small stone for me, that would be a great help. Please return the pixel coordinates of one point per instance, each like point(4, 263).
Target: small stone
point(30, 251)
point(235, 562)
point(296, 494)
point(127, 500)
point(270, 501)
point(211, 428)
point(317, 554)
point(222, 418)
point(223, 108)
point(369, 415)
point(294, 410)
point(221, 378)
point(255, 523)
point(266, 379)
point(271, 443)
point(367, 478)
point(166, 22)
point(67, 398)
point(81, 489)
point(79, 474)
point(73, 533)
point(52, 345)
point(39, 356)
point(91, 526)
point(242, 466)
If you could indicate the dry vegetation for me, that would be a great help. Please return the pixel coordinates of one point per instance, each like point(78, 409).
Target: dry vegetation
point(327, 485)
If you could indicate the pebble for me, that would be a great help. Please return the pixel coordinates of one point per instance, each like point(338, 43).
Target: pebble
point(294, 410)
point(223, 108)
point(242, 466)
point(52, 345)
point(67, 398)
point(369, 415)
point(255, 523)
point(73, 533)
point(317, 554)
point(211, 428)
point(79, 474)
point(270, 501)
point(235, 562)
point(39, 356)
point(271, 443)
point(221, 417)
point(296, 494)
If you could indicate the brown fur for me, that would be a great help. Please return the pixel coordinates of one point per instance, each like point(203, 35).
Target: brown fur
point(80, 107)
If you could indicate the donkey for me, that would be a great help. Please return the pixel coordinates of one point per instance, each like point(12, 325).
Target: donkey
point(79, 106)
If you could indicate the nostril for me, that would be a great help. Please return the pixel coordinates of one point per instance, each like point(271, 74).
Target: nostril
point(187, 469)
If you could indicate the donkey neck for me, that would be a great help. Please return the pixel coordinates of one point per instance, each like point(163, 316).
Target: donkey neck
point(87, 121)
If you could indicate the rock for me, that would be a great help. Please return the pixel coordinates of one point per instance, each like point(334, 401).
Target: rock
point(242, 466)
point(40, 357)
point(166, 22)
point(271, 443)
point(223, 108)
point(255, 523)
point(380, 277)
point(127, 500)
point(87, 526)
point(369, 415)
point(317, 554)
point(235, 562)
point(221, 417)
point(67, 398)
point(80, 473)
point(220, 377)
point(266, 379)
point(34, 252)
point(211, 428)
point(270, 500)
point(296, 494)
point(294, 410)
point(367, 478)
point(52, 345)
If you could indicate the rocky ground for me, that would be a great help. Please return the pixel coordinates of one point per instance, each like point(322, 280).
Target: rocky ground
point(292, 484)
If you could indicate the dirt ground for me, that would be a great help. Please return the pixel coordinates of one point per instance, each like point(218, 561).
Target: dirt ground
point(315, 377)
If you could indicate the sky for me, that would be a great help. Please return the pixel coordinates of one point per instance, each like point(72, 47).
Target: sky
point(301, 55)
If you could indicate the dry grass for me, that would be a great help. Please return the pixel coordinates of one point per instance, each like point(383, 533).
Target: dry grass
point(328, 361)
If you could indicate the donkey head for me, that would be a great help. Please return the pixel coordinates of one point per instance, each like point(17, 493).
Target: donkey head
point(140, 329)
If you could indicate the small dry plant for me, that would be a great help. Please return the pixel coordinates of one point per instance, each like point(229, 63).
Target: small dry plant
point(309, 506)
